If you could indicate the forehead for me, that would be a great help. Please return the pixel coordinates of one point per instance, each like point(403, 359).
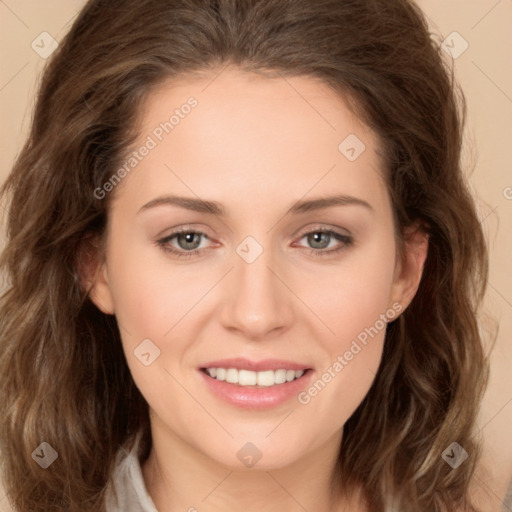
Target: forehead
point(252, 136)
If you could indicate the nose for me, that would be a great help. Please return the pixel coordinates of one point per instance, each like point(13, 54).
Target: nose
point(258, 299)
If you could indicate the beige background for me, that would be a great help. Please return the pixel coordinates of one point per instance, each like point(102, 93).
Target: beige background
point(485, 73)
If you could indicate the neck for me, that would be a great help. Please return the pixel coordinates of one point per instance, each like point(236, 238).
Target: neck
point(180, 478)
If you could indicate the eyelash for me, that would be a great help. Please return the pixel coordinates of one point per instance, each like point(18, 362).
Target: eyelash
point(347, 242)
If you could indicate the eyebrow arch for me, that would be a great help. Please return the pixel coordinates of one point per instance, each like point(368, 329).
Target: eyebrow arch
point(215, 208)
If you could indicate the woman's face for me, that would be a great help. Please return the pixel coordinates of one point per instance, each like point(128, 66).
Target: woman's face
point(266, 294)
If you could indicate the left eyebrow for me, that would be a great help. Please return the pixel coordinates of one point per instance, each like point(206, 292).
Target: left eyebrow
point(215, 208)
point(326, 202)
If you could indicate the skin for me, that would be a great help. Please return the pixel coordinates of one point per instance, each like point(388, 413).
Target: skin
point(256, 146)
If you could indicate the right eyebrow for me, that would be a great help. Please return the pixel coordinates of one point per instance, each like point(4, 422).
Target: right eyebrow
point(189, 203)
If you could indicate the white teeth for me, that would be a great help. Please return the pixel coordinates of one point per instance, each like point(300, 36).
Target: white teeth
point(249, 378)
point(232, 376)
point(266, 378)
point(246, 378)
point(280, 377)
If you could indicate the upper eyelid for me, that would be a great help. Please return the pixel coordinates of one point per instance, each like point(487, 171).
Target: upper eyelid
point(314, 228)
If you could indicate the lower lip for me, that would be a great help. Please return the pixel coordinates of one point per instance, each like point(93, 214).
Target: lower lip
point(256, 398)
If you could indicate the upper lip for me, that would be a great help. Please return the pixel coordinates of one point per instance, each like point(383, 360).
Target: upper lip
point(240, 363)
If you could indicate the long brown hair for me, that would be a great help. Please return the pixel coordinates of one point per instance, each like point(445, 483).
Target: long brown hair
point(64, 377)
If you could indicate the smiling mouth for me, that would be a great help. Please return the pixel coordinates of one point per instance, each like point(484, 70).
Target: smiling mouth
point(248, 378)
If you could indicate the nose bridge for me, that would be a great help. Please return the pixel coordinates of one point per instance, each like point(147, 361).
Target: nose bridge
point(258, 301)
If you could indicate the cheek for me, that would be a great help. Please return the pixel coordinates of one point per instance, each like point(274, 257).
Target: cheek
point(150, 294)
point(152, 299)
point(354, 350)
point(352, 298)
point(352, 303)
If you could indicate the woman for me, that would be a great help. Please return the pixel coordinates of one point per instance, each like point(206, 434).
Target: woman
point(318, 349)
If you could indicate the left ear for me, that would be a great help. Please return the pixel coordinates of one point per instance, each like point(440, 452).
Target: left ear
point(409, 268)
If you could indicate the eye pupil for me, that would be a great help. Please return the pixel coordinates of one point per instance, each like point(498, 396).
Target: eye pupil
point(316, 237)
point(189, 239)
